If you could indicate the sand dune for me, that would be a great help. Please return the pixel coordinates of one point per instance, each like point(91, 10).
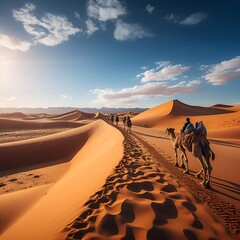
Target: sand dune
point(172, 114)
point(53, 211)
point(98, 115)
point(16, 115)
point(57, 147)
point(6, 124)
point(227, 107)
point(73, 116)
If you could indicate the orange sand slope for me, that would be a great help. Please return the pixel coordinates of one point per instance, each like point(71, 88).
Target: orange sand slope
point(221, 122)
point(141, 200)
point(72, 119)
point(39, 213)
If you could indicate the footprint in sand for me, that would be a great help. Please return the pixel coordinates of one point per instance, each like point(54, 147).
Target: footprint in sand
point(164, 211)
point(36, 176)
point(169, 188)
point(129, 234)
point(127, 212)
point(155, 232)
point(197, 223)
point(108, 226)
point(13, 180)
point(190, 235)
point(189, 206)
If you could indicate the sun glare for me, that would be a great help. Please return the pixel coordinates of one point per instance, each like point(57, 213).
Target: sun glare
point(7, 66)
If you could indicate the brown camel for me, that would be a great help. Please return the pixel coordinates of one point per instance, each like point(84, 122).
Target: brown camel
point(200, 149)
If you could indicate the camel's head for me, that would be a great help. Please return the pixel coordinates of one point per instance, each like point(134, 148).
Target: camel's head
point(170, 131)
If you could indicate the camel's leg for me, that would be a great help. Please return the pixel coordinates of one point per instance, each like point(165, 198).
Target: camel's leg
point(182, 161)
point(204, 167)
point(209, 170)
point(199, 173)
point(176, 157)
point(186, 160)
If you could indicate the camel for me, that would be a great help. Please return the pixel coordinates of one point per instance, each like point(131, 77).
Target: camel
point(200, 149)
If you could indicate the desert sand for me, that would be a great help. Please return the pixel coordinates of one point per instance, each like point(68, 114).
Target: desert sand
point(75, 176)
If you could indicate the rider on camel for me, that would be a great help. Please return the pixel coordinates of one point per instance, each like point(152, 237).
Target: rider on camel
point(186, 130)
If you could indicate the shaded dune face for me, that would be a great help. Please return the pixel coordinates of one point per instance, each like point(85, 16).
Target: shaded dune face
point(12, 124)
point(54, 148)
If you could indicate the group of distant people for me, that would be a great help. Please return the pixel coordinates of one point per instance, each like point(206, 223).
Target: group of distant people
point(187, 130)
point(127, 123)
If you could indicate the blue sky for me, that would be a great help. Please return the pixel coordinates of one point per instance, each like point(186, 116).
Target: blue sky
point(116, 53)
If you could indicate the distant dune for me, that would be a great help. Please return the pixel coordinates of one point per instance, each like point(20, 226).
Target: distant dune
point(62, 110)
point(174, 113)
point(221, 106)
point(15, 115)
point(73, 116)
point(38, 121)
point(7, 124)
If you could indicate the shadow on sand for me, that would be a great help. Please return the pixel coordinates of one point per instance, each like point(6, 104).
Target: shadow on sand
point(153, 136)
point(224, 185)
point(225, 143)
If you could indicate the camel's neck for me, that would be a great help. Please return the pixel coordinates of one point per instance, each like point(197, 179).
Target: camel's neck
point(172, 136)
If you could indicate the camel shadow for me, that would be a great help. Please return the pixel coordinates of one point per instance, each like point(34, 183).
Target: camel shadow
point(225, 143)
point(149, 135)
point(224, 185)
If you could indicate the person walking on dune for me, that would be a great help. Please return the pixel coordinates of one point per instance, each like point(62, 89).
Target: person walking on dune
point(112, 119)
point(129, 124)
point(124, 122)
point(117, 120)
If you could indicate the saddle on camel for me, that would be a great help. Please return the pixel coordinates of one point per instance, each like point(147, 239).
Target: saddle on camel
point(192, 134)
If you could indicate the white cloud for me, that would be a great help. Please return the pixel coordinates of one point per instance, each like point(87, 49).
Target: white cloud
point(149, 8)
point(91, 27)
point(77, 15)
point(224, 72)
point(101, 11)
point(164, 71)
point(14, 43)
point(126, 31)
point(50, 30)
point(146, 90)
point(203, 67)
point(64, 96)
point(195, 82)
point(194, 18)
point(144, 67)
point(162, 64)
point(7, 99)
point(172, 18)
point(104, 10)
